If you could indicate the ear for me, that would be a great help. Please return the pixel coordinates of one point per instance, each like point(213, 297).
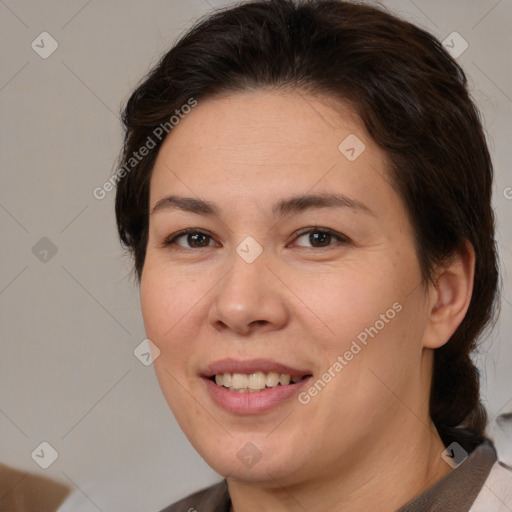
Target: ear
point(449, 297)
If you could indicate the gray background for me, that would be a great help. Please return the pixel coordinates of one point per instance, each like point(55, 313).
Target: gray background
point(69, 325)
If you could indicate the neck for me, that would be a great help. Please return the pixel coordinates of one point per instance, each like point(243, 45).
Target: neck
point(394, 471)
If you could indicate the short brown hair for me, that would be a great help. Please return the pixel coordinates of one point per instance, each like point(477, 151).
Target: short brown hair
point(413, 100)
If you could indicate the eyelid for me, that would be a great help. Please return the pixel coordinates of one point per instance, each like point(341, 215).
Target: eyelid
point(170, 240)
point(317, 229)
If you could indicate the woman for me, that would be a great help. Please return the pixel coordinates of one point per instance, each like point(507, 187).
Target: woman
point(306, 190)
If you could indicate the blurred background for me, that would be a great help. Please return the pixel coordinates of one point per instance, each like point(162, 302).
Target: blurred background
point(78, 404)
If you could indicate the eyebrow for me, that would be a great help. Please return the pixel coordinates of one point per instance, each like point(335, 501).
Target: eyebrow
point(308, 201)
point(280, 209)
point(187, 204)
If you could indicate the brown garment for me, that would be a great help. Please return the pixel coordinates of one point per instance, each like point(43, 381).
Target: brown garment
point(21, 491)
point(455, 492)
point(212, 499)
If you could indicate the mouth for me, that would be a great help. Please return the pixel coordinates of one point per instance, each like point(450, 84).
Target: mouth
point(248, 387)
point(254, 382)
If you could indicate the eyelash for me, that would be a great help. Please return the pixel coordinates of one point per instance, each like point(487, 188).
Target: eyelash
point(341, 238)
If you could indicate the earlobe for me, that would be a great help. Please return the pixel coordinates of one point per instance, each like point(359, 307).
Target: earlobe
point(449, 297)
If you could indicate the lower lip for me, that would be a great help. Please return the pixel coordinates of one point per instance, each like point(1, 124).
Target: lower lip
point(252, 403)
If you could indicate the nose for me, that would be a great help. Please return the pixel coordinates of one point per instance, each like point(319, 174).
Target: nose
point(249, 299)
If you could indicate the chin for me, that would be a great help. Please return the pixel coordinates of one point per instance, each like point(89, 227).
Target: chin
point(252, 458)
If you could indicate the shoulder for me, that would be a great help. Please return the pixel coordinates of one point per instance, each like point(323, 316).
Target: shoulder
point(496, 493)
point(211, 499)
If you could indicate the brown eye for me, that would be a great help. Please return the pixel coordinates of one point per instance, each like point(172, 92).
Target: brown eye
point(193, 239)
point(320, 237)
point(197, 239)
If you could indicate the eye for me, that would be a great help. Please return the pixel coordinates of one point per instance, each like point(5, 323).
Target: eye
point(193, 239)
point(320, 237)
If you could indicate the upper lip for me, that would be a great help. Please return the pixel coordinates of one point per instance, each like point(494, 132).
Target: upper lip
point(249, 366)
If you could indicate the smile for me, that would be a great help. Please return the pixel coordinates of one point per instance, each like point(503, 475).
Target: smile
point(253, 386)
point(254, 382)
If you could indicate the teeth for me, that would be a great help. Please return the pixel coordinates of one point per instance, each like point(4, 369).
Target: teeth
point(254, 382)
point(240, 381)
point(284, 379)
point(272, 379)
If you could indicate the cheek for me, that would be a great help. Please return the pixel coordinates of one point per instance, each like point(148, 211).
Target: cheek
point(346, 301)
point(164, 306)
point(367, 315)
point(153, 298)
point(167, 299)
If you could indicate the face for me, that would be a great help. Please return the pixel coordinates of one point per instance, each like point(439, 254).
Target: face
point(298, 265)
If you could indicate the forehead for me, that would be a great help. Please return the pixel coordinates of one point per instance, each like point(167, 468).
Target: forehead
point(268, 144)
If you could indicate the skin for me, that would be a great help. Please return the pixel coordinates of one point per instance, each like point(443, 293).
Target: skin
point(366, 441)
